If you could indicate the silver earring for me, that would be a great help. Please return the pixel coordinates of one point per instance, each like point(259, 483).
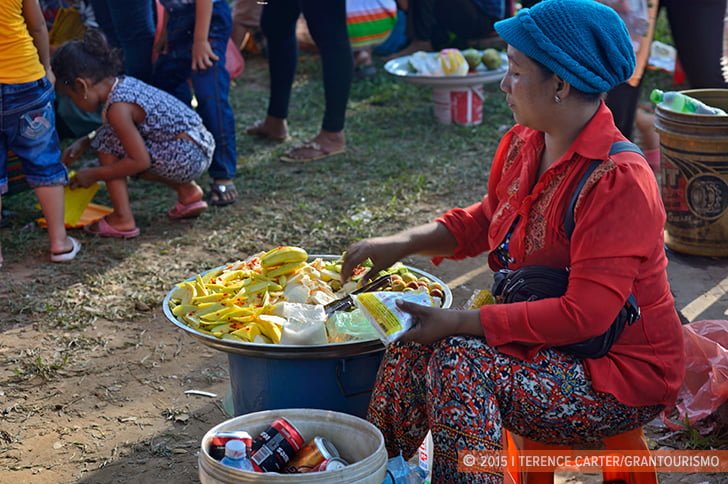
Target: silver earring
point(557, 99)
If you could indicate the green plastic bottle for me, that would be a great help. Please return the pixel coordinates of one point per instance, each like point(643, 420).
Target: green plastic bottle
point(681, 103)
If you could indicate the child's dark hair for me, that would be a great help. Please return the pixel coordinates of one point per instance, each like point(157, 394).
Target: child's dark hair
point(90, 57)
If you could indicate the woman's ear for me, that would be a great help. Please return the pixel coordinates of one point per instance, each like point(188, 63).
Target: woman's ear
point(562, 88)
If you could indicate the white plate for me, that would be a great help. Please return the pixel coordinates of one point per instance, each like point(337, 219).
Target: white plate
point(400, 68)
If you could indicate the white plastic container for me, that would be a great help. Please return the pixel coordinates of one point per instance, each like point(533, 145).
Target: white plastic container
point(359, 443)
point(461, 105)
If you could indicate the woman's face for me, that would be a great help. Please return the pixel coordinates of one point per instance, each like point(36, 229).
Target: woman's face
point(529, 93)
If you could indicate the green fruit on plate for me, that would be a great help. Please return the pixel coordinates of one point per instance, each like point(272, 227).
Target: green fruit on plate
point(473, 58)
point(492, 59)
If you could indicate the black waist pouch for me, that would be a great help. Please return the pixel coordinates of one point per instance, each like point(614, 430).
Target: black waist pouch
point(539, 282)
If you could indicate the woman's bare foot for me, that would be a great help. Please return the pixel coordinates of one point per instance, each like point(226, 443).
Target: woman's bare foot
point(271, 128)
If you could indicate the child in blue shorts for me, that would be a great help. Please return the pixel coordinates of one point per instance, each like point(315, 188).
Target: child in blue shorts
point(27, 120)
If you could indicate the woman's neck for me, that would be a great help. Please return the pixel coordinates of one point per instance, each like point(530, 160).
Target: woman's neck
point(567, 127)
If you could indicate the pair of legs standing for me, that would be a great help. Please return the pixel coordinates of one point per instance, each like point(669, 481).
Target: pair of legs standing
point(211, 87)
point(326, 21)
point(129, 25)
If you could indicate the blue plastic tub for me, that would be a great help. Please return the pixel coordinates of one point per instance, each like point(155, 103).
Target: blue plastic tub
point(336, 376)
point(338, 384)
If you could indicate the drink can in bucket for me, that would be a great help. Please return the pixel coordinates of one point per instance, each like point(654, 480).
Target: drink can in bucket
point(218, 441)
point(333, 464)
point(310, 457)
point(276, 446)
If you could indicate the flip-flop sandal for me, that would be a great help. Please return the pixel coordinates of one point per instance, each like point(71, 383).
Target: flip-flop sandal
point(190, 210)
point(102, 228)
point(257, 130)
point(68, 255)
point(217, 195)
point(319, 153)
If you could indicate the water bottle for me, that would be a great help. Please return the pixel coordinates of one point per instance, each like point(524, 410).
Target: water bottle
point(236, 456)
point(681, 103)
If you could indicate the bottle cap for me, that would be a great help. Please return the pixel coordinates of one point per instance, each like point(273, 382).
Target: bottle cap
point(656, 96)
point(235, 449)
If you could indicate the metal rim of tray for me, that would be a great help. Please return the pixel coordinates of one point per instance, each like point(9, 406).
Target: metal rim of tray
point(263, 350)
point(398, 68)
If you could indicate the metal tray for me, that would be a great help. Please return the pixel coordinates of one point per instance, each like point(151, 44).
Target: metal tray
point(400, 69)
point(263, 350)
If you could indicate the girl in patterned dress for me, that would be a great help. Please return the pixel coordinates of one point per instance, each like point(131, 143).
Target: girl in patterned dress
point(146, 133)
point(468, 374)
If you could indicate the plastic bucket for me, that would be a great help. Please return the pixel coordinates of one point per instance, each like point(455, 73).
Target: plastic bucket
point(334, 376)
point(359, 443)
point(694, 159)
point(339, 384)
point(461, 105)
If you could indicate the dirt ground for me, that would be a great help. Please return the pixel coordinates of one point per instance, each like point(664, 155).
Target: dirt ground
point(117, 412)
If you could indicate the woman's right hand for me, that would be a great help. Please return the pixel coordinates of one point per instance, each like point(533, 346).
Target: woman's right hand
point(383, 252)
point(75, 151)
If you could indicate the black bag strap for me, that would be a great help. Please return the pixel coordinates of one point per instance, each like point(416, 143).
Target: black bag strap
point(617, 147)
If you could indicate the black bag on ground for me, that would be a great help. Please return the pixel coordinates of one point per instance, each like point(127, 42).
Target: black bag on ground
point(532, 283)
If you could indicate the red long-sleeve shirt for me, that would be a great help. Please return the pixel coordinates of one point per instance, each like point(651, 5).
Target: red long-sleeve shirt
point(616, 248)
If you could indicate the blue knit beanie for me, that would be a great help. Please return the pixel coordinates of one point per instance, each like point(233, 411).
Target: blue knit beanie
point(582, 41)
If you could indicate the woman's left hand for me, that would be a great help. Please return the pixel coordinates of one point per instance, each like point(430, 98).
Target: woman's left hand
point(433, 324)
point(430, 324)
point(203, 56)
point(83, 178)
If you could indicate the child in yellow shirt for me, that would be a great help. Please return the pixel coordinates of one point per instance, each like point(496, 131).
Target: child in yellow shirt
point(27, 119)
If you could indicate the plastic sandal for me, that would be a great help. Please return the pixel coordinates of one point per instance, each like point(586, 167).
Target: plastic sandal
point(181, 211)
point(102, 228)
point(317, 153)
point(217, 197)
point(67, 256)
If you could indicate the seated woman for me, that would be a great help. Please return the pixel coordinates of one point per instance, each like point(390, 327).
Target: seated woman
point(468, 374)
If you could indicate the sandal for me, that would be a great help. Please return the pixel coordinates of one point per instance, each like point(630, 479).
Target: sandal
point(311, 151)
point(222, 194)
point(181, 211)
point(69, 255)
point(102, 228)
point(258, 129)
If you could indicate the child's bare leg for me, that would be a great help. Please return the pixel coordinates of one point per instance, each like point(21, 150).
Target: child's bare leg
point(51, 202)
point(122, 217)
point(187, 192)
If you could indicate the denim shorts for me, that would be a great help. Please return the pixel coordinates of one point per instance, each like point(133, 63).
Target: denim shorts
point(28, 129)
